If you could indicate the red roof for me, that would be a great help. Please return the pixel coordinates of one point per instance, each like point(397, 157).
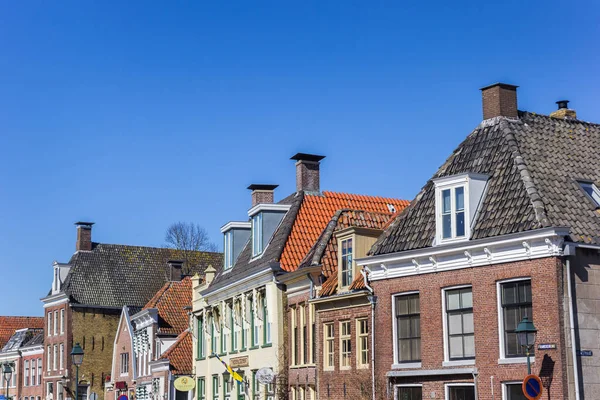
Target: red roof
point(315, 213)
point(179, 354)
point(8, 326)
point(170, 301)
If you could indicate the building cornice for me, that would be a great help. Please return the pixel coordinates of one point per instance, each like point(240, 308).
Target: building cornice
point(268, 207)
point(239, 286)
point(55, 299)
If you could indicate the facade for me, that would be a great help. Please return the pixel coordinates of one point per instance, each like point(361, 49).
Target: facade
point(23, 352)
point(507, 228)
point(241, 309)
point(85, 303)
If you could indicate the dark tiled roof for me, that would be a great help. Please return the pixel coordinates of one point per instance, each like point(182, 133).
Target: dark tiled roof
point(533, 163)
point(24, 337)
point(170, 301)
point(8, 326)
point(179, 354)
point(116, 275)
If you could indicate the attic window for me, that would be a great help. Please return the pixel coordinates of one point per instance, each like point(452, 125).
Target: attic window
point(592, 191)
point(457, 199)
point(227, 249)
point(257, 228)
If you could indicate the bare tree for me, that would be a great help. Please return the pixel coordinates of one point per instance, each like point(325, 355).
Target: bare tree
point(187, 239)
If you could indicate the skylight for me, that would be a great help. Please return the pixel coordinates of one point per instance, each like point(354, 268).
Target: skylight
point(592, 191)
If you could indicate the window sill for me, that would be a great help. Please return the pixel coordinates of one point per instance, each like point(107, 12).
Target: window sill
point(233, 352)
point(267, 345)
point(515, 360)
point(406, 365)
point(304, 366)
point(456, 363)
point(254, 347)
point(348, 368)
point(328, 369)
point(362, 366)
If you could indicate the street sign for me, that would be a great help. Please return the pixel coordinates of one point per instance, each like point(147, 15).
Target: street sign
point(585, 353)
point(547, 346)
point(122, 397)
point(532, 387)
point(2, 397)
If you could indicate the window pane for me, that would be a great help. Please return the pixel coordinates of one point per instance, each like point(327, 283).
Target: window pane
point(404, 328)
point(453, 299)
point(509, 294)
point(512, 345)
point(410, 393)
point(456, 347)
point(468, 323)
point(459, 194)
point(414, 304)
point(467, 298)
point(446, 226)
point(469, 346)
point(454, 324)
point(415, 347)
point(415, 326)
point(402, 305)
point(515, 392)
point(460, 224)
point(446, 201)
point(462, 393)
point(405, 350)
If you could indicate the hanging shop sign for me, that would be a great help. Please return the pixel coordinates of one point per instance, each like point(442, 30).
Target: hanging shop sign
point(184, 383)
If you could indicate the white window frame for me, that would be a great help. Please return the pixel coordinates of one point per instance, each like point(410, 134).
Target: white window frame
point(595, 196)
point(408, 385)
point(349, 265)
point(54, 358)
point(447, 387)
point(301, 326)
point(347, 336)
point(49, 322)
point(359, 349)
point(503, 359)
point(62, 355)
point(326, 350)
point(55, 323)
point(62, 321)
point(397, 364)
point(228, 250)
point(49, 358)
point(447, 362)
point(124, 366)
point(293, 324)
point(257, 234)
point(438, 211)
point(26, 367)
point(505, 389)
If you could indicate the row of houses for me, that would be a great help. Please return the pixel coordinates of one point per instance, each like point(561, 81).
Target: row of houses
point(325, 295)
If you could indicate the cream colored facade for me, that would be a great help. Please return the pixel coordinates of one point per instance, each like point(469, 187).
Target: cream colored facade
point(242, 323)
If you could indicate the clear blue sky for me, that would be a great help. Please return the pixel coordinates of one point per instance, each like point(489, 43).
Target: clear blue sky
point(138, 114)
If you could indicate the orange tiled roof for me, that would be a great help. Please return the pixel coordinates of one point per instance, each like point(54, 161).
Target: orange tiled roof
point(179, 354)
point(170, 301)
point(315, 213)
point(8, 326)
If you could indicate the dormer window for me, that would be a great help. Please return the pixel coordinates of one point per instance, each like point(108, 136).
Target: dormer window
point(346, 265)
point(257, 235)
point(235, 237)
point(264, 220)
point(457, 199)
point(592, 191)
point(352, 243)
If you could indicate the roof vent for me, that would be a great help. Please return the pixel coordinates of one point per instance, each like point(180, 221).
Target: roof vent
point(562, 104)
point(564, 112)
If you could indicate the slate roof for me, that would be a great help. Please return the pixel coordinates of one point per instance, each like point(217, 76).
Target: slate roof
point(24, 338)
point(534, 163)
point(8, 326)
point(309, 214)
point(179, 354)
point(117, 275)
point(170, 301)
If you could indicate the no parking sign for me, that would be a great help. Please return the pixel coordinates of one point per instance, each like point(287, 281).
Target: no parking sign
point(532, 387)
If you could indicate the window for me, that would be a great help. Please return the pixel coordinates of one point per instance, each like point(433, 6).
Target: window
point(255, 392)
point(55, 358)
point(62, 356)
point(59, 390)
point(266, 323)
point(49, 387)
point(592, 191)
point(295, 339)
point(328, 355)
point(124, 367)
point(255, 326)
point(39, 364)
point(62, 321)
point(409, 393)
point(513, 391)
point(227, 386)
point(362, 339)
point(453, 212)
point(201, 391)
point(213, 338)
point(347, 262)
point(345, 345)
point(516, 304)
point(257, 247)
point(459, 323)
point(245, 333)
point(200, 346)
point(48, 358)
point(224, 335)
point(215, 387)
point(234, 332)
point(240, 388)
point(313, 334)
point(408, 328)
point(460, 392)
point(49, 321)
point(33, 373)
point(26, 383)
point(55, 323)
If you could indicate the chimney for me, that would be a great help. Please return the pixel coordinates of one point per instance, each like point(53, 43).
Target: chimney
point(307, 172)
point(175, 270)
point(499, 100)
point(84, 236)
point(209, 274)
point(262, 194)
point(564, 112)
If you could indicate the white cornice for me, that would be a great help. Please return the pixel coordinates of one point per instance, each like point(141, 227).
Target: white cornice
point(239, 286)
point(268, 207)
point(55, 299)
point(501, 249)
point(235, 225)
point(461, 178)
point(145, 318)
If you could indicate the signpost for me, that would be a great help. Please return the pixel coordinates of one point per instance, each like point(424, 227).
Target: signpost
point(532, 387)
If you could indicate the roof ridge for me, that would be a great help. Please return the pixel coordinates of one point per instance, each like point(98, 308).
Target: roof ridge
point(378, 198)
point(537, 203)
point(154, 248)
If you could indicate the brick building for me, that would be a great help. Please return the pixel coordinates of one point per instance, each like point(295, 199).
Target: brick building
point(507, 228)
point(85, 302)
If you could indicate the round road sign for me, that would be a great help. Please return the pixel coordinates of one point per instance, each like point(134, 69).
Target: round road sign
point(122, 397)
point(532, 387)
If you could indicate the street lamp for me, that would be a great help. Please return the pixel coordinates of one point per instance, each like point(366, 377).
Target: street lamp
point(526, 333)
point(7, 373)
point(77, 358)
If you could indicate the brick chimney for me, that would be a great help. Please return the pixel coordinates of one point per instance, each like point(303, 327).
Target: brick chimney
point(499, 100)
point(84, 236)
point(307, 172)
point(564, 112)
point(262, 194)
point(175, 270)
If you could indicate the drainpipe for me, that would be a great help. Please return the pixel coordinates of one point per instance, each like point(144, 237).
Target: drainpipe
point(373, 300)
point(569, 251)
point(475, 375)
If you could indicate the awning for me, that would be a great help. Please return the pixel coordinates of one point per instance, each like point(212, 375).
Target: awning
point(121, 385)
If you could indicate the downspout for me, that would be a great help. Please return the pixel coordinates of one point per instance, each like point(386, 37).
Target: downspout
point(312, 286)
point(475, 375)
point(373, 301)
point(568, 252)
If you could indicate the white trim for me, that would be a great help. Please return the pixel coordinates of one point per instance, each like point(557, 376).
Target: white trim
point(447, 387)
point(406, 365)
point(235, 225)
point(505, 389)
point(54, 300)
point(485, 252)
point(458, 179)
point(232, 288)
point(447, 362)
point(394, 327)
point(268, 207)
point(503, 359)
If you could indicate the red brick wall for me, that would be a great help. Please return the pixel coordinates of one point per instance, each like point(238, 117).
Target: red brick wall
point(36, 390)
point(65, 338)
point(547, 298)
point(122, 345)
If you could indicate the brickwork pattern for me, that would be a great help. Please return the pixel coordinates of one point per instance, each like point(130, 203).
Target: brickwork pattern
point(499, 100)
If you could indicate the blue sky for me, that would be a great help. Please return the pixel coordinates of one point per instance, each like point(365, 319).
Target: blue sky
point(135, 115)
